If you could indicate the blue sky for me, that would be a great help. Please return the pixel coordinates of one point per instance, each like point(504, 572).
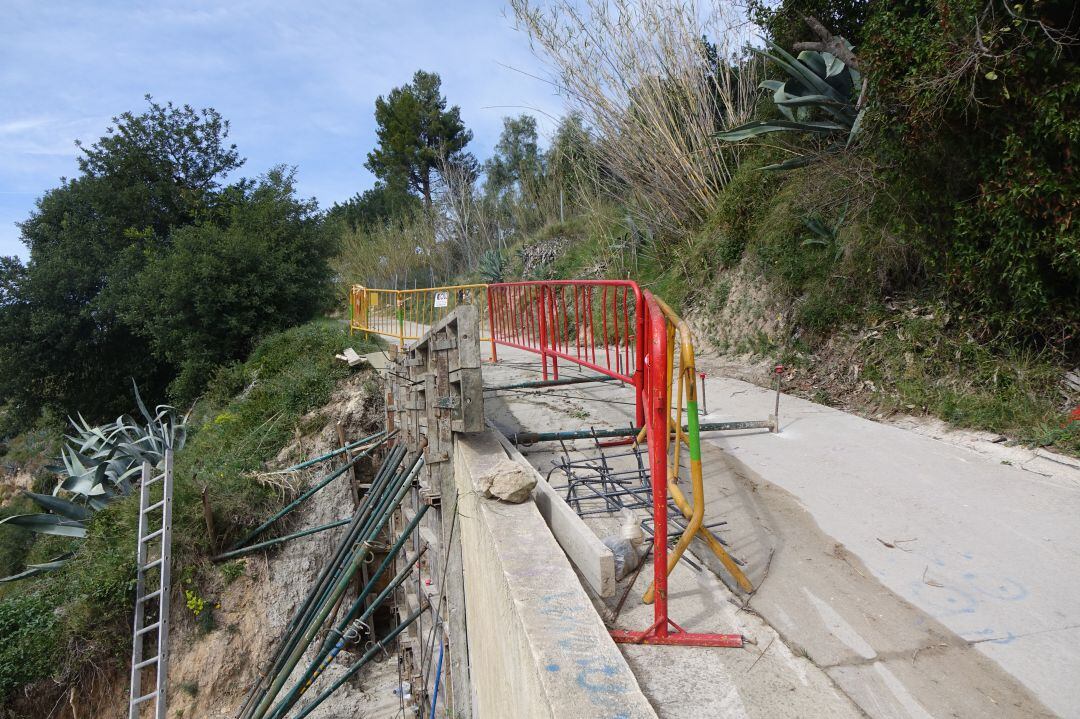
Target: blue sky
point(298, 81)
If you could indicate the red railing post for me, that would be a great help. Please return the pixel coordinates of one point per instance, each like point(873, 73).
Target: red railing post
point(541, 316)
point(639, 358)
point(657, 432)
point(491, 322)
point(553, 326)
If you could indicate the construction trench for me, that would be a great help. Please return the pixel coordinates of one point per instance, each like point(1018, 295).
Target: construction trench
point(513, 461)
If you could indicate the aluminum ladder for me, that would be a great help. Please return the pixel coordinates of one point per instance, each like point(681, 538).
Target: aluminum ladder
point(152, 618)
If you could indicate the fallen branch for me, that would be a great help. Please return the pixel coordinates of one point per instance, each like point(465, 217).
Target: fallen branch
point(833, 44)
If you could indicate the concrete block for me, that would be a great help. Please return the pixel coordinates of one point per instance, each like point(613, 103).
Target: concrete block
point(537, 647)
point(592, 559)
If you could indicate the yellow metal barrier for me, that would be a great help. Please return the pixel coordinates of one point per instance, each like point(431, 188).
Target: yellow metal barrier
point(406, 314)
point(686, 392)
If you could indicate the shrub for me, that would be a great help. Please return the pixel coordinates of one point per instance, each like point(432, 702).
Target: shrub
point(976, 107)
point(219, 287)
point(31, 642)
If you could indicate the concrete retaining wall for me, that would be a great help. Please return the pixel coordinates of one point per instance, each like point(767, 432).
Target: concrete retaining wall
point(537, 647)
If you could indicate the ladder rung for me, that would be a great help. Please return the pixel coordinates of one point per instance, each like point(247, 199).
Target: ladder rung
point(148, 629)
point(154, 506)
point(150, 596)
point(143, 698)
point(150, 481)
point(148, 662)
point(150, 536)
point(151, 565)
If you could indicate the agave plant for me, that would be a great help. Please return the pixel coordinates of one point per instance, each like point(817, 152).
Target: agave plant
point(825, 234)
point(492, 266)
point(819, 84)
point(98, 467)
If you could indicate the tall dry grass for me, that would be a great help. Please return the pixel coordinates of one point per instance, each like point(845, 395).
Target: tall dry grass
point(639, 73)
point(399, 254)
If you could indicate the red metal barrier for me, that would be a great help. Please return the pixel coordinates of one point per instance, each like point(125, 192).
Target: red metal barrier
point(615, 328)
point(592, 323)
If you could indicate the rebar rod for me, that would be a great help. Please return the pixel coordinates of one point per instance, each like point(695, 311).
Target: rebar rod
point(534, 437)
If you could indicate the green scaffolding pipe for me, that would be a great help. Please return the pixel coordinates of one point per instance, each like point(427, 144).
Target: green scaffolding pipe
point(330, 647)
point(356, 531)
point(380, 517)
point(271, 542)
point(360, 664)
point(334, 453)
point(537, 384)
point(311, 628)
point(327, 574)
point(303, 497)
point(382, 479)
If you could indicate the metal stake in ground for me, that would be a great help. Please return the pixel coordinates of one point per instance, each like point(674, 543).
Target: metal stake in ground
point(704, 403)
point(779, 371)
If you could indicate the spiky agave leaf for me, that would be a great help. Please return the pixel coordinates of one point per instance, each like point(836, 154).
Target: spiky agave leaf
point(99, 465)
point(35, 569)
point(492, 265)
point(58, 505)
point(47, 524)
point(762, 127)
point(818, 81)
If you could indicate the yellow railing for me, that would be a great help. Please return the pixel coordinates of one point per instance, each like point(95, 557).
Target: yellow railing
point(405, 315)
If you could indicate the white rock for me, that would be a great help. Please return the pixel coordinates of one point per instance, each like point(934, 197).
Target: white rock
point(507, 480)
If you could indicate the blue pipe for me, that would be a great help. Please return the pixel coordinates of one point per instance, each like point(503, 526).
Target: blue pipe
point(438, 676)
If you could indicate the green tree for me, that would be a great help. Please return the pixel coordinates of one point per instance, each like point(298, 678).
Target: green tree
point(514, 177)
point(574, 166)
point(12, 272)
point(163, 167)
point(377, 206)
point(416, 132)
point(222, 285)
point(62, 341)
point(517, 162)
point(785, 24)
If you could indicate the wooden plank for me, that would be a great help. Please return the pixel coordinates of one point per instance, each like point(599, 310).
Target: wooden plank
point(468, 337)
point(454, 585)
point(470, 415)
point(592, 559)
point(427, 536)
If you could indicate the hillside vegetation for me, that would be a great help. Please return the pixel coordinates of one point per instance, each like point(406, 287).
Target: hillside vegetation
point(879, 196)
point(67, 627)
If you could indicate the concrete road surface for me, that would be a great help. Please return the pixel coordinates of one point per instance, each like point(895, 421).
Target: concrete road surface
point(988, 549)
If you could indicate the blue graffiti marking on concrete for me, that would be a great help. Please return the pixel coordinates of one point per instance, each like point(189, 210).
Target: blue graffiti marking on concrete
point(589, 669)
point(1005, 590)
point(597, 677)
